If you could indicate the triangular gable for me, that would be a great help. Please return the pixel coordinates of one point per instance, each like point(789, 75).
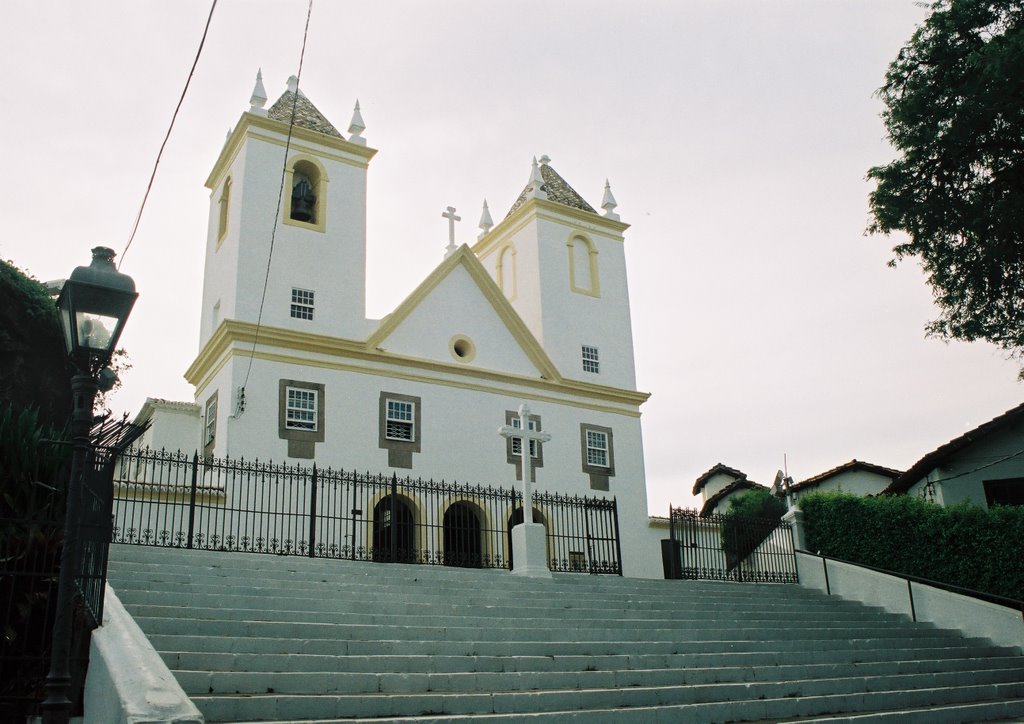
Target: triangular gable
point(459, 298)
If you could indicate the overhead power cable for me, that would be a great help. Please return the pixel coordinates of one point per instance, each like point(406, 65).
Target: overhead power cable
point(152, 176)
point(240, 406)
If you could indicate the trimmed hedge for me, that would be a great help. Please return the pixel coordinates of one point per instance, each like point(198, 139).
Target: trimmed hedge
point(963, 545)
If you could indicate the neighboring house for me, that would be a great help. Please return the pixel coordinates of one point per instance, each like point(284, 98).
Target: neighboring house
point(855, 477)
point(984, 466)
point(720, 484)
point(290, 369)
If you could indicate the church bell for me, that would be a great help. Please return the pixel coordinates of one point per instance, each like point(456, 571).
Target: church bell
point(303, 201)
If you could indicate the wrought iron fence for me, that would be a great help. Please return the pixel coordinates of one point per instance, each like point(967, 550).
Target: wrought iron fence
point(176, 500)
point(729, 548)
point(31, 534)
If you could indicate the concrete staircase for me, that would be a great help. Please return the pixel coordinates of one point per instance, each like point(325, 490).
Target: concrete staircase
point(265, 638)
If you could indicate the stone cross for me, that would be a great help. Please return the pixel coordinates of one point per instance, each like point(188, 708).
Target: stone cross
point(526, 435)
point(452, 218)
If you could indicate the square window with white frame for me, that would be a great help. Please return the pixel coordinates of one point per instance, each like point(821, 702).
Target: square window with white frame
point(400, 420)
point(517, 442)
point(301, 409)
point(302, 304)
point(591, 363)
point(597, 448)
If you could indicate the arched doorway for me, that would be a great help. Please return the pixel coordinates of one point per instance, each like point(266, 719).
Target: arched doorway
point(394, 532)
point(462, 544)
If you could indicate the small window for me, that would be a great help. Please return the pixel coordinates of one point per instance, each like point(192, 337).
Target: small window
point(597, 449)
point(398, 427)
point(597, 455)
point(222, 212)
point(400, 420)
point(301, 409)
point(1009, 491)
point(302, 304)
point(590, 359)
point(517, 442)
point(211, 420)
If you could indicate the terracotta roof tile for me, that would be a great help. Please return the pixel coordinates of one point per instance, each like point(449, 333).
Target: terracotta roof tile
point(936, 457)
point(700, 482)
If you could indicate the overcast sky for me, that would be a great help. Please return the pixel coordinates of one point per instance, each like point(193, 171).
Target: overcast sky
point(736, 136)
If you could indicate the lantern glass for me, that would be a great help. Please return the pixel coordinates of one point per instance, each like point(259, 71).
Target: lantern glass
point(94, 305)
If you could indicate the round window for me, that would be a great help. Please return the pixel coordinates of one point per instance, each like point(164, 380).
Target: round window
point(462, 348)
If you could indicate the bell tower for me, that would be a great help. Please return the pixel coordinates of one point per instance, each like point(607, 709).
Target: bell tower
point(562, 266)
point(288, 212)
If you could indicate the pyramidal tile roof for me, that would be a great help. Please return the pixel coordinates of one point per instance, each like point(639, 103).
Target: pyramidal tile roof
point(306, 114)
point(557, 190)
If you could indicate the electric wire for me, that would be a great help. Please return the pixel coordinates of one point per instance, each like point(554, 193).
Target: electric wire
point(240, 407)
point(160, 153)
point(980, 467)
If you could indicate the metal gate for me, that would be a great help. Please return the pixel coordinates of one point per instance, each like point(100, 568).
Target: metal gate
point(729, 548)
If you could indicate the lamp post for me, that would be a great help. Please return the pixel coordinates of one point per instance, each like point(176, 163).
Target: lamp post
point(93, 304)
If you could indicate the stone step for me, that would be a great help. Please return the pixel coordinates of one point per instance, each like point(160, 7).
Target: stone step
point(298, 569)
point(954, 658)
point(220, 596)
point(510, 618)
point(717, 702)
point(863, 648)
point(536, 631)
point(912, 674)
point(265, 638)
point(558, 587)
point(494, 611)
point(1000, 710)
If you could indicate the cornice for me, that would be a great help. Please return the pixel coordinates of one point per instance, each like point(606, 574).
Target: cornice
point(352, 153)
point(235, 338)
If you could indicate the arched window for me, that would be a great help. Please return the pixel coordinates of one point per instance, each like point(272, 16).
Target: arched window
point(505, 272)
point(306, 197)
point(222, 212)
point(583, 276)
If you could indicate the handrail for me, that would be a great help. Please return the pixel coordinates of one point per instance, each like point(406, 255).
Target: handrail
point(981, 595)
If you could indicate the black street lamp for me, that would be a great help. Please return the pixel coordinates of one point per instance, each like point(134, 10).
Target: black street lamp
point(94, 304)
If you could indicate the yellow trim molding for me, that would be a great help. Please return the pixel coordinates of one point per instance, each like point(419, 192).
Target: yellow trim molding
point(235, 339)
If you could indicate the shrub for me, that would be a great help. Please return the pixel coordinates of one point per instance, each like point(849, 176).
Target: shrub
point(963, 545)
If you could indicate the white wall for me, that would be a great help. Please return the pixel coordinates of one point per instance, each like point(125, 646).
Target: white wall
point(1003, 626)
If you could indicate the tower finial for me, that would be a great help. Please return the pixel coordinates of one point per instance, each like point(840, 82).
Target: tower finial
point(537, 182)
point(293, 84)
point(259, 95)
point(608, 203)
point(356, 127)
point(486, 223)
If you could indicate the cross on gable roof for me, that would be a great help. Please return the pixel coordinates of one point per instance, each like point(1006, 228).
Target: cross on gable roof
point(558, 190)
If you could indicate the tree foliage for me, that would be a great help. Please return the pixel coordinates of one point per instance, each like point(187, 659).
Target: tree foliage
point(34, 370)
point(751, 518)
point(954, 110)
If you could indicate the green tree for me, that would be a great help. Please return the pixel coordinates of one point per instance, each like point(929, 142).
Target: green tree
point(34, 368)
point(954, 110)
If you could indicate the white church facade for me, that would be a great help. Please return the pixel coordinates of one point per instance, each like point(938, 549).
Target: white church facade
point(535, 312)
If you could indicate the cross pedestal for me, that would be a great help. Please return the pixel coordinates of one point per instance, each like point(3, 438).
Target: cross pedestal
point(529, 540)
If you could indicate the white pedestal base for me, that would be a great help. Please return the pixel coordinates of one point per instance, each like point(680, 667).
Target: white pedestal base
point(530, 551)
